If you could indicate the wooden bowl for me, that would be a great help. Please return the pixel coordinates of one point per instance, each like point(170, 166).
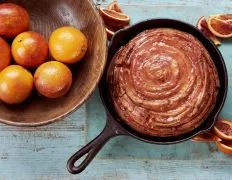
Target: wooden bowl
point(45, 17)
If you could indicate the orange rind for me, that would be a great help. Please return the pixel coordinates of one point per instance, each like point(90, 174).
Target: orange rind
point(223, 129)
point(110, 33)
point(114, 6)
point(113, 18)
point(225, 147)
point(203, 27)
point(221, 25)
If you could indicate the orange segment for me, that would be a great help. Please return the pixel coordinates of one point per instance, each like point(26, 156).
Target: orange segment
point(206, 137)
point(226, 17)
point(53, 79)
point(114, 6)
point(110, 33)
point(203, 27)
point(225, 147)
point(221, 25)
point(223, 129)
point(113, 18)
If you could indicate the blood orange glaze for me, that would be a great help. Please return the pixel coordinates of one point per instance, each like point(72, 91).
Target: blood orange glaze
point(163, 82)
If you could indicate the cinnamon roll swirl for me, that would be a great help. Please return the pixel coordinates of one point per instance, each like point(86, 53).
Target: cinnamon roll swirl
point(163, 82)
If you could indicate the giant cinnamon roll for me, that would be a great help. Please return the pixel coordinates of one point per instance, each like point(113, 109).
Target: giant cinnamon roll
point(163, 82)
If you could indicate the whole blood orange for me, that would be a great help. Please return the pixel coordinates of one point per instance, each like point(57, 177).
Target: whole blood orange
point(13, 20)
point(29, 49)
point(53, 79)
point(68, 45)
point(5, 55)
point(16, 84)
point(113, 18)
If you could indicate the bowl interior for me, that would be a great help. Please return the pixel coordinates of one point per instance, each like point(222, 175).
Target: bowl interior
point(124, 36)
point(45, 17)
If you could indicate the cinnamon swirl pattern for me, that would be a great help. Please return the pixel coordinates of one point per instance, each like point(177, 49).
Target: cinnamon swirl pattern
point(163, 82)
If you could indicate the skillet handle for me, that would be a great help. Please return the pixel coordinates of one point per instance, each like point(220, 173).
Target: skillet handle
point(92, 148)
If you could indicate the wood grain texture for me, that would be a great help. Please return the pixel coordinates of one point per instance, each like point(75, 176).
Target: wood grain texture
point(45, 17)
point(222, 3)
point(42, 152)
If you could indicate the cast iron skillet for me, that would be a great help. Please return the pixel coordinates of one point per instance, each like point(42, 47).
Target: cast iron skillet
point(115, 127)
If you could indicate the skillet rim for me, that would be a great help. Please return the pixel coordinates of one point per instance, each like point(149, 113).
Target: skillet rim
point(209, 45)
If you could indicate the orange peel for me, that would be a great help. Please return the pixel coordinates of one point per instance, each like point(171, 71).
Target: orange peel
point(223, 129)
point(114, 18)
point(221, 25)
point(203, 27)
point(114, 6)
point(225, 147)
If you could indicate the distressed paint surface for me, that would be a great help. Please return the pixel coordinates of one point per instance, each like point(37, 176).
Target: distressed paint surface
point(41, 153)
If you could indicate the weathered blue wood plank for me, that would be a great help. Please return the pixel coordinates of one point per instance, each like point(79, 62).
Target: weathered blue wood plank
point(153, 170)
point(198, 3)
point(29, 152)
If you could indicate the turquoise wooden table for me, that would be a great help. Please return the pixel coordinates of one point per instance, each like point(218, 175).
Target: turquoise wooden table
point(42, 152)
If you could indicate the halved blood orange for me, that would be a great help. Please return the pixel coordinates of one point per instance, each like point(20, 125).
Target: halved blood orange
point(223, 129)
point(206, 137)
point(114, 6)
point(225, 147)
point(203, 27)
point(113, 18)
point(221, 25)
